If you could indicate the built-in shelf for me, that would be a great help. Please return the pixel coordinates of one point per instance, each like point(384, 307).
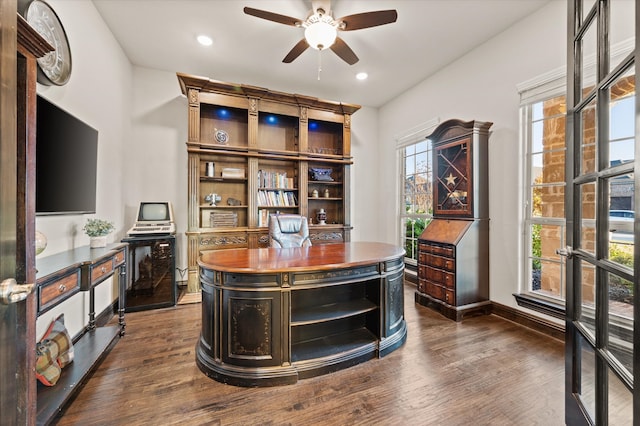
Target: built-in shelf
point(280, 134)
point(331, 312)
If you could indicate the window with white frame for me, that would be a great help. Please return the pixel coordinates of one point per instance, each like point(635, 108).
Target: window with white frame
point(543, 113)
point(416, 192)
point(545, 224)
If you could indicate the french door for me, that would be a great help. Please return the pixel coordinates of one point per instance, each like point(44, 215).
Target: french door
point(602, 259)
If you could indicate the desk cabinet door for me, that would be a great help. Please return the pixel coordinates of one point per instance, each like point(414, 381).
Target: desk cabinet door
point(395, 301)
point(253, 323)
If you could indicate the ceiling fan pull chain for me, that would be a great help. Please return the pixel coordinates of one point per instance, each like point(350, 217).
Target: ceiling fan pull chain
point(319, 63)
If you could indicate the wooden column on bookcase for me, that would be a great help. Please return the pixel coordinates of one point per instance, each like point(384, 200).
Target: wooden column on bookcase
point(193, 137)
point(303, 166)
point(346, 179)
point(252, 173)
point(253, 124)
point(303, 192)
point(303, 131)
point(193, 281)
point(252, 197)
point(346, 202)
point(346, 136)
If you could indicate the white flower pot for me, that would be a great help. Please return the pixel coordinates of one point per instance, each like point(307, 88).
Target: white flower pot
point(97, 242)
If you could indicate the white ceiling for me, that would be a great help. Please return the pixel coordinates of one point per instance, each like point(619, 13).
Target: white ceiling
point(428, 35)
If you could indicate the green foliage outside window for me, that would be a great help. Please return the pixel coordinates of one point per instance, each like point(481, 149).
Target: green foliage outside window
point(536, 247)
point(413, 230)
point(619, 288)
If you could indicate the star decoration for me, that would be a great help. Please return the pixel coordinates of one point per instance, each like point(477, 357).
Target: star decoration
point(451, 179)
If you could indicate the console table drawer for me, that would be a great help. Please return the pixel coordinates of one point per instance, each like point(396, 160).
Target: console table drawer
point(54, 292)
point(101, 271)
point(118, 259)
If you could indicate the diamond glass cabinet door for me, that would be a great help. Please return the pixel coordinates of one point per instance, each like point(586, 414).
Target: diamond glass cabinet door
point(452, 189)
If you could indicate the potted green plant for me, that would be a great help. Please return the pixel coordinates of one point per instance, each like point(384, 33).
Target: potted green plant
point(97, 230)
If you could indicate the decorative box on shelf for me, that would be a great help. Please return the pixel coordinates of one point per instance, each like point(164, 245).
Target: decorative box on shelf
point(220, 219)
point(233, 173)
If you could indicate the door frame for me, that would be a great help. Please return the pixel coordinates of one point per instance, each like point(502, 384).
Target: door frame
point(577, 336)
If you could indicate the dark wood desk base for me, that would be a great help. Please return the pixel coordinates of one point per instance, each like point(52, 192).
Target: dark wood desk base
point(273, 316)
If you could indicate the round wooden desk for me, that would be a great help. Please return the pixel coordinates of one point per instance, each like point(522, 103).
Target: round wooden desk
point(271, 316)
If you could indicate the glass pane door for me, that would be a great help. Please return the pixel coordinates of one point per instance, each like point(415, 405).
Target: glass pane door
point(601, 180)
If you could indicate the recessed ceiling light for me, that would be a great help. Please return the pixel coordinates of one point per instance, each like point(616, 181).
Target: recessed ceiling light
point(362, 76)
point(204, 40)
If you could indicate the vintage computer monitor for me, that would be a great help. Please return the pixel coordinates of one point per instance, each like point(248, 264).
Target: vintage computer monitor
point(154, 218)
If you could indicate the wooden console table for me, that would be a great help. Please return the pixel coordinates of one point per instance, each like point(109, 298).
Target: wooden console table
point(59, 277)
point(271, 316)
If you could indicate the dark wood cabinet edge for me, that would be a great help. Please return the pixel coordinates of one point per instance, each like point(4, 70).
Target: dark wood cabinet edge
point(525, 319)
point(455, 313)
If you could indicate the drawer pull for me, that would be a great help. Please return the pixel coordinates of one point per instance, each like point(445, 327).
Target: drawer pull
point(103, 269)
point(62, 288)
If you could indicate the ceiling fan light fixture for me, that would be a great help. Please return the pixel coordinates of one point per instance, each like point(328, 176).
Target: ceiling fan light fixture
point(320, 35)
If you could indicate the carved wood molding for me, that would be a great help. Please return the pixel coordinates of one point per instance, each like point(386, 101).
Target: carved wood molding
point(326, 236)
point(223, 240)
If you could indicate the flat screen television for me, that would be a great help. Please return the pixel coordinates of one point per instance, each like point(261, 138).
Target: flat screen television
point(66, 162)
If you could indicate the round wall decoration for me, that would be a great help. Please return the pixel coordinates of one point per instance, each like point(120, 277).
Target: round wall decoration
point(56, 65)
point(221, 137)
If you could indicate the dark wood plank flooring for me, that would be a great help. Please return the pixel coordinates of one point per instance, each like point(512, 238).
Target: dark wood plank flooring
point(482, 371)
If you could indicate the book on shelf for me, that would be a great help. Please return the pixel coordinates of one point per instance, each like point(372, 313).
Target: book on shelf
point(270, 179)
point(277, 198)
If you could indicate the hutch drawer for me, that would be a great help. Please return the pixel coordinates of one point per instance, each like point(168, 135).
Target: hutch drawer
point(437, 249)
point(442, 277)
point(435, 290)
point(450, 296)
point(440, 262)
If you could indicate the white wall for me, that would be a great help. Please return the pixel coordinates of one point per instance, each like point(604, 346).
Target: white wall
point(98, 93)
point(157, 154)
point(365, 182)
point(482, 86)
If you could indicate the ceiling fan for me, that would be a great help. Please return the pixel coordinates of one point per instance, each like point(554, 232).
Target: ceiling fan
point(321, 30)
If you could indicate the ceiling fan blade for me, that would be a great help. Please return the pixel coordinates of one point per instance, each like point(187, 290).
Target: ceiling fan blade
point(297, 50)
point(274, 17)
point(368, 19)
point(341, 49)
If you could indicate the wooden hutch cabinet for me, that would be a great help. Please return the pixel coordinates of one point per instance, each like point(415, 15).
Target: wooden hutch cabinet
point(254, 152)
point(453, 250)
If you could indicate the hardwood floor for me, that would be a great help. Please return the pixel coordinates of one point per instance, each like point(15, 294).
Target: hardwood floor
point(483, 371)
